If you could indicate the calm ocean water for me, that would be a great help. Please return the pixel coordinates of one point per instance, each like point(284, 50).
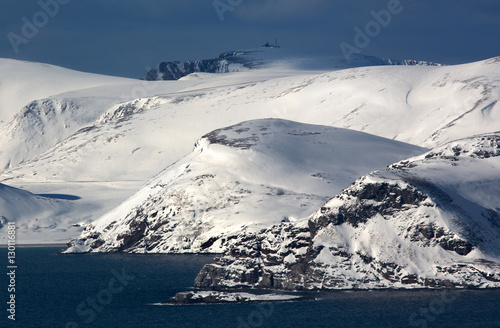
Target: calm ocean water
point(112, 290)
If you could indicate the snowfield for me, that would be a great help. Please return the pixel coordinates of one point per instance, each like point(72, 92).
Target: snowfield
point(243, 177)
point(116, 155)
point(40, 213)
point(23, 82)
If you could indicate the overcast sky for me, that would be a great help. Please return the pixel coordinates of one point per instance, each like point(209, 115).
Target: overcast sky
point(126, 37)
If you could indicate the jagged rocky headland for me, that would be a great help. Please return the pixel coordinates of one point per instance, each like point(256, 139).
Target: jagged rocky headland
point(430, 221)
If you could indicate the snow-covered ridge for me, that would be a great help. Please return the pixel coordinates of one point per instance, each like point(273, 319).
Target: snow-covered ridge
point(20, 138)
point(483, 146)
point(267, 58)
point(125, 110)
point(123, 132)
point(246, 176)
point(430, 221)
point(426, 106)
point(22, 82)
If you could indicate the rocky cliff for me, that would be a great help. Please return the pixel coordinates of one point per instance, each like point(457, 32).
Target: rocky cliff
point(174, 70)
point(431, 221)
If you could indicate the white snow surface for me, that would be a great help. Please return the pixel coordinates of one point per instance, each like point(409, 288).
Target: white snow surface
point(50, 213)
point(22, 82)
point(197, 297)
point(84, 134)
point(247, 176)
point(32, 213)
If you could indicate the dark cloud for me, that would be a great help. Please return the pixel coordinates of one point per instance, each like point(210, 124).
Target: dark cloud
point(124, 37)
point(283, 10)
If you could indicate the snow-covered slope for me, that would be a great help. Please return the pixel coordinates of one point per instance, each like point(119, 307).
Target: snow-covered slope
point(124, 133)
point(22, 82)
point(247, 176)
point(55, 212)
point(34, 214)
point(430, 221)
point(44, 123)
point(422, 105)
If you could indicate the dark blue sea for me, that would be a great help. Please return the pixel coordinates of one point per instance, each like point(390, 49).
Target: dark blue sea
point(116, 290)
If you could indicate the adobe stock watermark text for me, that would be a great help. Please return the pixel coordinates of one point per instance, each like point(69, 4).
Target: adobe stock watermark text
point(363, 36)
point(31, 27)
point(11, 270)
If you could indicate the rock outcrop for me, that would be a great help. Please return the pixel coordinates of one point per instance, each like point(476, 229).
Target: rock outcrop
point(431, 221)
point(174, 70)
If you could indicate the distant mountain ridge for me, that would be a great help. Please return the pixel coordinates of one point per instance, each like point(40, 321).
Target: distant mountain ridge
point(250, 59)
point(174, 70)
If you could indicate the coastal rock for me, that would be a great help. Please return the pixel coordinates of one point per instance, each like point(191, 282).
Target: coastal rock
point(427, 222)
point(218, 297)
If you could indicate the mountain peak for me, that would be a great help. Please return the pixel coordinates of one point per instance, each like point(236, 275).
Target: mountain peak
point(239, 177)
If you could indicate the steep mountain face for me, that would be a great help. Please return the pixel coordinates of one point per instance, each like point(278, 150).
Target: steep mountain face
point(42, 124)
point(430, 221)
point(247, 176)
point(266, 57)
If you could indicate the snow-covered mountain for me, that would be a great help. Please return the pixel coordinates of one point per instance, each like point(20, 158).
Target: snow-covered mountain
point(22, 82)
point(269, 58)
point(42, 105)
point(429, 221)
point(102, 141)
point(422, 105)
point(246, 176)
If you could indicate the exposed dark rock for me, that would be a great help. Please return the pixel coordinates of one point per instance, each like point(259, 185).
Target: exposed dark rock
point(97, 243)
point(209, 242)
point(134, 235)
point(384, 199)
point(174, 70)
point(459, 246)
point(218, 137)
point(409, 279)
